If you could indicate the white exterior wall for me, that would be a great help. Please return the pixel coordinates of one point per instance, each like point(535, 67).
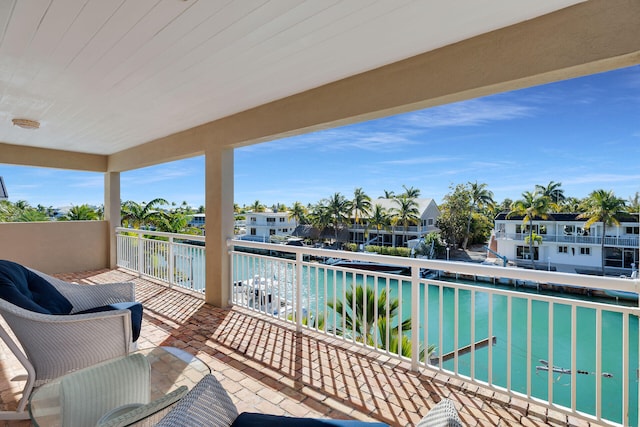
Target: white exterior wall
point(266, 224)
point(566, 245)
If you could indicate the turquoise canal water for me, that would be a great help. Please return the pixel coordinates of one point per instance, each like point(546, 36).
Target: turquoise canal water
point(323, 286)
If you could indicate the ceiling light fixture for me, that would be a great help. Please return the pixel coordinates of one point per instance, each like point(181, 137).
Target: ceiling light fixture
point(26, 123)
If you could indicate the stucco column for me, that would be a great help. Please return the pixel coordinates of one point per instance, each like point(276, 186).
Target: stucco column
point(219, 223)
point(112, 213)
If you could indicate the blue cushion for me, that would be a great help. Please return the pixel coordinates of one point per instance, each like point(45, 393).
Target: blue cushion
point(136, 314)
point(250, 419)
point(24, 288)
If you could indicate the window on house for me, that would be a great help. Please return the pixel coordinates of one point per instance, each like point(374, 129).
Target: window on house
point(430, 221)
point(272, 232)
point(563, 249)
point(271, 220)
point(282, 219)
point(632, 230)
point(568, 230)
point(522, 252)
point(585, 251)
point(253, 232)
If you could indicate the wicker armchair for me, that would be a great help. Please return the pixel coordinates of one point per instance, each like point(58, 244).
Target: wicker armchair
point(51, 345)
point(208, 404)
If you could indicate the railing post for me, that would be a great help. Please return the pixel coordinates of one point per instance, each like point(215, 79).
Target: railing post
point(298, 289)
point(171, 262)
point(415, 316)
point(140, 254)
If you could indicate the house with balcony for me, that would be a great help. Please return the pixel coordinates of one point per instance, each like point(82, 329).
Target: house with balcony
point(111, 87)
point(567, 245)
point(396, 234)
point(261, 226)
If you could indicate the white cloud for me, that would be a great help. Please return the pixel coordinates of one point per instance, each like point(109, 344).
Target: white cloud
point(468, 113)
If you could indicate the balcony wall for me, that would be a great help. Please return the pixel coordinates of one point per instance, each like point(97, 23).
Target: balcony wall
point(57, 247)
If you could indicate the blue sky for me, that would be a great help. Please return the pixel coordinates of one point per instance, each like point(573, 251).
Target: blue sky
point(584, 133)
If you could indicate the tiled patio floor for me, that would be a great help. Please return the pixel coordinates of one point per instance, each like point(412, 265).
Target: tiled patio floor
point(267, 367)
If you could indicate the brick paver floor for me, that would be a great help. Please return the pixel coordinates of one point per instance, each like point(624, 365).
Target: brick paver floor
point(267, 367)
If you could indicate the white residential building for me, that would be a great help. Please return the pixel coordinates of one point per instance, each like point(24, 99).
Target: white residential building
point(567, 245)
point(262, 225)
point(395, 236)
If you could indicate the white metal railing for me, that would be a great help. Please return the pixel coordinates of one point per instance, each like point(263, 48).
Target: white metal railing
point(490, 326)
point(625, 241)
point(173, 258)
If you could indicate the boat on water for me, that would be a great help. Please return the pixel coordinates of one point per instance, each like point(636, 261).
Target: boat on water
point(369, 266)
point(560, 370)
point(263, 294)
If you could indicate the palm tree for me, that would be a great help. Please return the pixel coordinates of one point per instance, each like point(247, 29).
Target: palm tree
point(388, 194)
point(339, 208)
point(411, 193)
point(298, 213)
point(406, 213)
point(532, 206)
point(480, 198)
point(373, 329)
point(320, 217)
point(379, 218)
point(257, 206)
point(80, 213)
point(634, 204)
point(553, 191)
point(139, 215)
point(361, 204)
point(176, 222)
point(602, 206)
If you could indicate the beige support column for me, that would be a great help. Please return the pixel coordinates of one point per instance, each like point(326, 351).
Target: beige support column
point(112, 213)
point(219, 223)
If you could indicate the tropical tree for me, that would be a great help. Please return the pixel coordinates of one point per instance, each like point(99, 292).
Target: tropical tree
point(602, 206)
point(80, 213)
point(176, 222)
point(257, 206)
point(320, 216)
point(379, 219)
point(532, 206)
point(361, 204)
point(373, 320)
point(388, 194)
point(31, 215)
point(553, 192)
point(453, 214)
point(406, 213)
point(142, 214)
point(411, 193)
point(298, 212)
point(633, 205)
point(339, 209)
point(480, 198)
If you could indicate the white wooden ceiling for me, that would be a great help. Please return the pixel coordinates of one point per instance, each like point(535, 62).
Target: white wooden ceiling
point(105, 75)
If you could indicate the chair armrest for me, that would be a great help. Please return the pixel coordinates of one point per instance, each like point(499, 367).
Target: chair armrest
point(206, 404)
point(444, 414)
point(56, 345)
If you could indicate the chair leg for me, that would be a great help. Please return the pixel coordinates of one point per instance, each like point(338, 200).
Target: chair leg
point(20, 413)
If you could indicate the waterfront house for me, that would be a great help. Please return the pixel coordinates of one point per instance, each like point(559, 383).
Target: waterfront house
point(396, 234)
point(566, 245)
point(111, 87)
point(261, 226)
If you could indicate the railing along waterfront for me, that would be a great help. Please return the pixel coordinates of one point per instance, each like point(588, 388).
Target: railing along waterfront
point(177, 259)
point(625, 241)
point(502, 329)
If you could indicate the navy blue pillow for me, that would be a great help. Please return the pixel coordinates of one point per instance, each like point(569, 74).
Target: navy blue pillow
point(136, 314)
point(24, 288)
point(250, 419)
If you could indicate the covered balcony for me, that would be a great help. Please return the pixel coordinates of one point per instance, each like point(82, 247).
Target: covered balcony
point(269, 367)
point(110, 87)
